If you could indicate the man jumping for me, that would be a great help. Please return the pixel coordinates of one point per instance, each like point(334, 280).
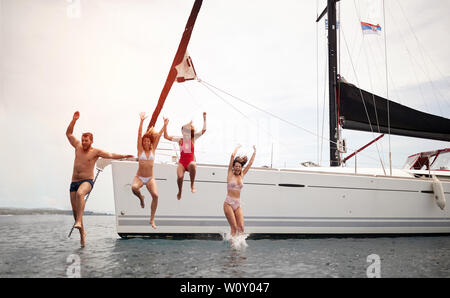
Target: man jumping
point(83, 172)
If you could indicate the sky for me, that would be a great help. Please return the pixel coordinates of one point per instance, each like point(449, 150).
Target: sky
point(109, 60)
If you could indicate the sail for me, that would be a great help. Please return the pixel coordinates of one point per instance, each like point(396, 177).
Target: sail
point(404, 121)
point(177, 61)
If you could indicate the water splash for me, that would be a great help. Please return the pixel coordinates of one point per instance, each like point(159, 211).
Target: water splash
point(237, 242)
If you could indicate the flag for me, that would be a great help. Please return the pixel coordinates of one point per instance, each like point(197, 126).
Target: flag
point(370, 28)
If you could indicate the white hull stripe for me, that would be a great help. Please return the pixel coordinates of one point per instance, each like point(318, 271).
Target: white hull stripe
point(314, 186)
point(224, 182)
point(421, 219)
point(256, 223)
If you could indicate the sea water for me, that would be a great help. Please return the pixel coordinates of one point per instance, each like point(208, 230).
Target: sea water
point(37, 246)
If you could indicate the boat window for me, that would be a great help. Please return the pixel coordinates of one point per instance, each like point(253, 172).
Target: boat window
point(442, 162)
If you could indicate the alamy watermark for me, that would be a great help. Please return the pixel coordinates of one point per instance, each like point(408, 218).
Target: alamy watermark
point(73, 9)
point(74, 268)
point(374, 269)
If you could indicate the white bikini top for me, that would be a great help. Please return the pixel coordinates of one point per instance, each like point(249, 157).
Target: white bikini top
point(144, 157)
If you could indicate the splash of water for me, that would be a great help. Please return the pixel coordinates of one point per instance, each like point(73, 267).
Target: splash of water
point(237, 242)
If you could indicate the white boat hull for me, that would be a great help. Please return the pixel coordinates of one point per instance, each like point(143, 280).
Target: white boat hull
point(281, 202)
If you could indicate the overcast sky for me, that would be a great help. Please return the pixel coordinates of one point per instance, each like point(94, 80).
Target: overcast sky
point(109, 60)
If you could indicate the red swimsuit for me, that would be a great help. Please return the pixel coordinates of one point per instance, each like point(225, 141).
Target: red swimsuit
point(186, 154)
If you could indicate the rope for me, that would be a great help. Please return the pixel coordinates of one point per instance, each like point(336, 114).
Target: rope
point(356, 77)
point(223, 99)
point(421, 52)
point(362, 98)
point(370, 80)
point(317, 79)
point(371, 84)
point(411, 59)
point(269, 113)
point(323, 109)
point(387, 88)
point(236, 109)
point(199, 106)
point(259, 109)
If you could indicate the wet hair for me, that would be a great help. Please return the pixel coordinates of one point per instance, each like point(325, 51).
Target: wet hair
point(240, 159)
point(89, 135)
point(151, 135)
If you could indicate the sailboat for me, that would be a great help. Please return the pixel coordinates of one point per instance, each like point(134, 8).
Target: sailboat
point(332, 200)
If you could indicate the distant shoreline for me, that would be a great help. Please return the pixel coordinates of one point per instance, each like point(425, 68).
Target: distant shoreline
point(48, 211)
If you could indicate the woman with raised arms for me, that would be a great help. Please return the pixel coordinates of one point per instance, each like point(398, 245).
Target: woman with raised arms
point(235, 181)
point(187, 157)
point(146, 147)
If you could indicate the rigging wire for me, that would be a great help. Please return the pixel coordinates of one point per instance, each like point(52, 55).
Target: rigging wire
point(325, 81)
point(236, 109)
point(362, 98)
point(371, 83)
point(338, 71)
point(419, 45)
point(387, 87)
point(274, 116)
point(355, 45)
point(199, 106)
point(375, 55)
point(259, 109)
point(317, 80)
point(232, 106)
point(411, 59)
point(272, 139)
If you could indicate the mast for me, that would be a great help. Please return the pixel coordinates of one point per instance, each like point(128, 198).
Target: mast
point(330, 10)
point(171, 77)
point(332, 79)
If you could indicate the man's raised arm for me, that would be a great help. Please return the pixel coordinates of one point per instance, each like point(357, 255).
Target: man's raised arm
point(69, 132)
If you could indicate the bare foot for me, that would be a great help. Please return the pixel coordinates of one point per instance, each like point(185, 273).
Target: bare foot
point(77, 225)
point(179, 195)
point(141, 198)
point(193, 190)
point(83, 239)
point(152, 222)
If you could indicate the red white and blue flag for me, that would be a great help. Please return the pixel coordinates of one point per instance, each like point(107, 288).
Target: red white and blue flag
point(370, 28)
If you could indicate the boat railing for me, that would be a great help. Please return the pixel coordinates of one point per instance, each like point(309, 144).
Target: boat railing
point(172, 150)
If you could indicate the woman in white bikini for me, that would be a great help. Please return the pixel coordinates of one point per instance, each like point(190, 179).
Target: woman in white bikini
point(146, 146)
point(232, 205)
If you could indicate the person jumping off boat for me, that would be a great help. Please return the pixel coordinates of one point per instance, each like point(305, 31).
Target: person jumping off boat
point(146, 147)
point(235, 181)
point(83, 172)
point(187, 157)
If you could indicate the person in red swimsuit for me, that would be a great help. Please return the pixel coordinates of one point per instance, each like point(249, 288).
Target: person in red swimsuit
point(187, 157)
